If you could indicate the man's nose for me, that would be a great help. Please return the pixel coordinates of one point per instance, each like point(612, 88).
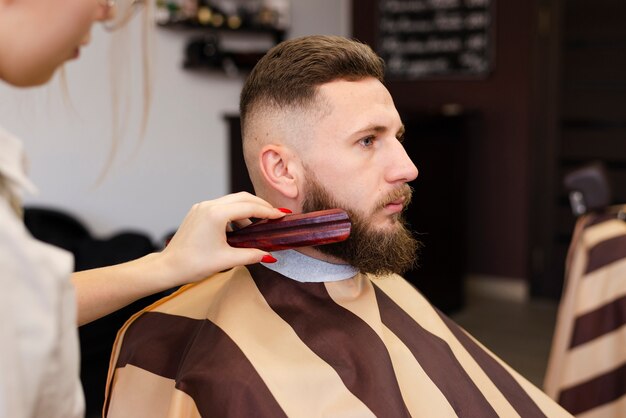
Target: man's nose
point(401, 168)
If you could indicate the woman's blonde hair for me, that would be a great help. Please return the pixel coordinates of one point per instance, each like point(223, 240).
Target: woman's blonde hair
point(119, 54)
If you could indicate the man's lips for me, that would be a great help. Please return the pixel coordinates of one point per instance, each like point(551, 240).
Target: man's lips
point(396, 201)
point(395, 206)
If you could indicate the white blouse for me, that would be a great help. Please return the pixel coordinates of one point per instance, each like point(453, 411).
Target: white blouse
point(39, 351)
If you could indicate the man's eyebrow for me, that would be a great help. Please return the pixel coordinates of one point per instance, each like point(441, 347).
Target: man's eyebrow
point(378, 129)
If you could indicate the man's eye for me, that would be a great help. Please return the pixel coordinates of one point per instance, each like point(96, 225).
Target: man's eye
point(368, 141)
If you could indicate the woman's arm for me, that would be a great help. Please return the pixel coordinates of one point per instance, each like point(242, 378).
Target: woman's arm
point(197, 250)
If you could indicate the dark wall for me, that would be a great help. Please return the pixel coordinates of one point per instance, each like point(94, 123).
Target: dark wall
point(499, 166)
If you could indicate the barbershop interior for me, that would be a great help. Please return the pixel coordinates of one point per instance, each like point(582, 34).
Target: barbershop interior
point(514, 114)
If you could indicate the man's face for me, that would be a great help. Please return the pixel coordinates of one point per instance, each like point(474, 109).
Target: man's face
point(355, 160)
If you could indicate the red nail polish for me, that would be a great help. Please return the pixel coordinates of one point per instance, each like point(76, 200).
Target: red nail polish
point(285, 210)
point(268, 259)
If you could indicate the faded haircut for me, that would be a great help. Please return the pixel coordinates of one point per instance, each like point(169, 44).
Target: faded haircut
point(289, 74)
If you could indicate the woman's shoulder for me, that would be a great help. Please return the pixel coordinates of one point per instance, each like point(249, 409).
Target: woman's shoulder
point(25, 259)
point(13, 179)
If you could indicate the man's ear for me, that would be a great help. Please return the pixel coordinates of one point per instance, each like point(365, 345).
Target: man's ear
point(281, 169)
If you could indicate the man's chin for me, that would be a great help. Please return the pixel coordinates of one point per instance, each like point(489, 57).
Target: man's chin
point(388, 224)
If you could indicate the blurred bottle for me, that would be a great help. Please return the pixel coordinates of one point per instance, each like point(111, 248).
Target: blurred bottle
point(204, 13)
point(189, 9)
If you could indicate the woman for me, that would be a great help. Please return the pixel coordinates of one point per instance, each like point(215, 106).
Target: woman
point(39, 307)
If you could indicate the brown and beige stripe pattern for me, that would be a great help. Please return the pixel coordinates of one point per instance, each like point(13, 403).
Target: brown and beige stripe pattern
point(587, 368)
point(251, 342)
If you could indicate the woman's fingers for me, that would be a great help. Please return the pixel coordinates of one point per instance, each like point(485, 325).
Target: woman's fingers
point(241, 211)
point(246, 256)
point(238, 198)
point(238, 208)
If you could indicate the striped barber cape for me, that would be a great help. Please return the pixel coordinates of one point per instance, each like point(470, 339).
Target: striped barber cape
point(252, 342)
point(587, 367)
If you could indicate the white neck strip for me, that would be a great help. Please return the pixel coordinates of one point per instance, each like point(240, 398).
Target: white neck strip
point(302, 268)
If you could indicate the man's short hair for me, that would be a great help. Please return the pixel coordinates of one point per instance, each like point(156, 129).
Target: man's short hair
point(288, 75)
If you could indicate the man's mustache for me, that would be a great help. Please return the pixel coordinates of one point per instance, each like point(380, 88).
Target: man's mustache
point(405, 191)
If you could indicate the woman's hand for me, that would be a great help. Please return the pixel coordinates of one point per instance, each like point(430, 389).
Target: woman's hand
point(199, 248)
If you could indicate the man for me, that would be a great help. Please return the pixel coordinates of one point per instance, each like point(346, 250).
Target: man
point(324, 331)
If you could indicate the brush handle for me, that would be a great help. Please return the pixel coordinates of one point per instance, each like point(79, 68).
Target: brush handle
point(292, 231)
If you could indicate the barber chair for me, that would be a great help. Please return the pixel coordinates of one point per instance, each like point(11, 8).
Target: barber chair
point(586, 370)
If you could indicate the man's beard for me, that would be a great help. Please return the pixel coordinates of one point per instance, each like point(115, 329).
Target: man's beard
point(368, 249)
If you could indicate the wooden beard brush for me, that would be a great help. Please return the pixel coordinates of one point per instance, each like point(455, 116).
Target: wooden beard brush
point(292, 231)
